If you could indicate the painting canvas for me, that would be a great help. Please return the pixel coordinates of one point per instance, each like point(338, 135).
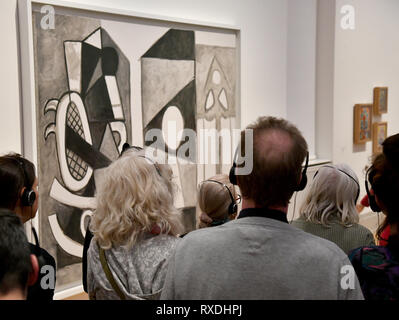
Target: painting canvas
point(380, 100)
point(380, 130)
point(362, 123)
point(101, 81)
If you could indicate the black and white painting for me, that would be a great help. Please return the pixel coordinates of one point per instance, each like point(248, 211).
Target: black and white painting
point(101, 82)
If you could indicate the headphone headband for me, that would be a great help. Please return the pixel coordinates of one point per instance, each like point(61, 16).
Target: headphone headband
point(347, 174)
point(233, 205)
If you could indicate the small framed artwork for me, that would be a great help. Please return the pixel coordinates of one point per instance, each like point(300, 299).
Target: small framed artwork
point(380, 100)
point(362, 123)
point(380, 130)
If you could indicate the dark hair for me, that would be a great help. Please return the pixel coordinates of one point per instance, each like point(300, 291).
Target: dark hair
point(16, 172)
point(15, 263)
point(384, 178)
point(275, 174)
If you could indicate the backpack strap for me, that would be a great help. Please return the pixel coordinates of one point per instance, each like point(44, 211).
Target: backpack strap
point(108, 273)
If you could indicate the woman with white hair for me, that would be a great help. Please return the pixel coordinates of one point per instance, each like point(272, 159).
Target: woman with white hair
point(135, 228)
point(329, 210)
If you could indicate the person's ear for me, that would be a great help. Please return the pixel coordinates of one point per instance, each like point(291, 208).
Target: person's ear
point(34, 274)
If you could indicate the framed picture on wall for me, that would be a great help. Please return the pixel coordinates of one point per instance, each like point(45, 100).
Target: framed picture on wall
point(362, 123)
point(380, 104)
point(94, 78)
point(380, 130)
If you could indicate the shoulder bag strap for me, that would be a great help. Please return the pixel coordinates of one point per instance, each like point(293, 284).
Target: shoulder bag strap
point(109, 275)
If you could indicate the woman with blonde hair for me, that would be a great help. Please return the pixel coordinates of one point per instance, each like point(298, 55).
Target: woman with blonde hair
point(135, 228)
point(217, 200)
point(329, 210)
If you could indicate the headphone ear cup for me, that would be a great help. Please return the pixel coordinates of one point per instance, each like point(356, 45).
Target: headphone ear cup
point(28, 198)
point(373, 204)
point(232, 175)
point(303, 183)
point(233, 208)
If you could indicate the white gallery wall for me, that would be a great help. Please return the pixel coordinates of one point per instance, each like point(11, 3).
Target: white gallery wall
point(365, 57)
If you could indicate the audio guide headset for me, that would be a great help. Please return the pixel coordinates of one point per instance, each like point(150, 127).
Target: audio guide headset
point(299, 187)
point(233, 205)
point(369, 179)
point(347, 174)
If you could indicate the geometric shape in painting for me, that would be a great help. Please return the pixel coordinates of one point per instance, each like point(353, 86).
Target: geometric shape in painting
point(161, 80)
point(223, 99)
point(71, 114)
point(108, 146)
point(109, 61)
point(113, 93)
point(216, 77)
point(209, 100)
point(94, 38)
point(97, 74)
point(380, 105)
point(380, 131)
point(362, 123)
point(90, 57)
point(98, 103)
point(173, 45)
point(119, 132)
point(185, 102)
point(219, 84)
point(188, 184)
point(172, 127)
point(70, 246)
point(73, 62)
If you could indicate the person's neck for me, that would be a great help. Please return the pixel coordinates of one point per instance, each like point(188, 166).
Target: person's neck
point(14, 294)
point(249, 203)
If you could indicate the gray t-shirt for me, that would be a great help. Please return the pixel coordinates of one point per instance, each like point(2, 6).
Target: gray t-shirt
point(258, 258)
point(139, 272)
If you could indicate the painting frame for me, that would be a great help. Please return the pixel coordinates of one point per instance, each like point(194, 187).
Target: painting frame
point(361, 135)
point(380, 133)
point(380, 102)
point(29, 111)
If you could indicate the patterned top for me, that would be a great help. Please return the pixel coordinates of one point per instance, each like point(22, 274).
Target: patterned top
point(139, 272)
point(378, 272)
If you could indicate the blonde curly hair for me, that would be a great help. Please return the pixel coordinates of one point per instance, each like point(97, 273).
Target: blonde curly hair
point(135, 194)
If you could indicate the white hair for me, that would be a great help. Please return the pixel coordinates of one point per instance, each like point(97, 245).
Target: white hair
point(134, 195)
point(332, 196)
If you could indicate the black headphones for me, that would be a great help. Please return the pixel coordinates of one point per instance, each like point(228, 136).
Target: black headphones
point(233, 205)
point(300, 187)
point(358, 186)
point(369, 176)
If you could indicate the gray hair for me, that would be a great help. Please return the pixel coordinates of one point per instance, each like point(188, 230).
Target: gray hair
point(332, 196)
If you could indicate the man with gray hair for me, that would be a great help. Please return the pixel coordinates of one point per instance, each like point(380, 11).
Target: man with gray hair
point(259, 255)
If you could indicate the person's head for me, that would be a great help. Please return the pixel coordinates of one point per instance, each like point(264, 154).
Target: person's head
point(216, 197)
point(134, 196)
point(384, 179)
point(18, 186)
point(279, 150)
point(18, 267)
point(332, 195)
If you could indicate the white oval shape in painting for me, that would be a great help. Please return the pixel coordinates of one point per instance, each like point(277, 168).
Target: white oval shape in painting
point(216, 77)
point(209, 100)
point(172, 127)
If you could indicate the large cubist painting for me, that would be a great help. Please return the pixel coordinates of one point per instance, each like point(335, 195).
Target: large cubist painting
point(103, 80)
